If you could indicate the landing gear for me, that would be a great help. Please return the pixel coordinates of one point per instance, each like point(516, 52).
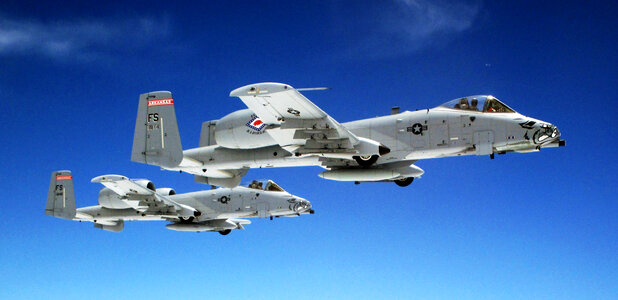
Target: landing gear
point(366, 161)
point(186, 219)
point(225, 232)
point(404, 181)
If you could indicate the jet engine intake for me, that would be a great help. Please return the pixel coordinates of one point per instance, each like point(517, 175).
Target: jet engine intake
point(242, 129)
point(166, 191)
point(370, 147)
point(145, 183)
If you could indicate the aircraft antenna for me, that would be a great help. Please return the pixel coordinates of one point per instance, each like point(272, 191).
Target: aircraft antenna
point(313, 89)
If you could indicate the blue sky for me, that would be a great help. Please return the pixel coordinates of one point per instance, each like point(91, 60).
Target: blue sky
point(541, 225)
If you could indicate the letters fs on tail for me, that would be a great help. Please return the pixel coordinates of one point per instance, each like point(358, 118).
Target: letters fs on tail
point(61, 197)
point(156, 140)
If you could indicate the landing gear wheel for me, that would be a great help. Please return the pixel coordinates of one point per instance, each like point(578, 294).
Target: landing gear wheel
point(404, 181)
point(225, 232)
point(366, 161)
point(186, 219)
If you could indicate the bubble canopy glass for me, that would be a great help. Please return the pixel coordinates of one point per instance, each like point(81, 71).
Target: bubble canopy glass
point(480, 103)
point(264, 185)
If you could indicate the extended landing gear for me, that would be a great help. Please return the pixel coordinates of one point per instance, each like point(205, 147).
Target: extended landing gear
point(186, 219)
point(366, 161)
point(225, 232)
point(404, 181)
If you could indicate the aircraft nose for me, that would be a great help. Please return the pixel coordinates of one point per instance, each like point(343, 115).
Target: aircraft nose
point(301, 205)
point(548, 134)
point(551, 131)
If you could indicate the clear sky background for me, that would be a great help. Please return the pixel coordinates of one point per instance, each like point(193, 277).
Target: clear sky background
point(523, 226)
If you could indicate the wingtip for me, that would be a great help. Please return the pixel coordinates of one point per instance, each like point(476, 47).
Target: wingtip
point(260, 88)
point(107, 178)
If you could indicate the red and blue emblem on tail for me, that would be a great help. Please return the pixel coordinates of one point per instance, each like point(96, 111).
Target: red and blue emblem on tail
point(256, 124)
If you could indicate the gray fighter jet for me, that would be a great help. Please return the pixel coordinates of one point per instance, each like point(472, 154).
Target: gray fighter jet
point(282, 128)
point(123, 199)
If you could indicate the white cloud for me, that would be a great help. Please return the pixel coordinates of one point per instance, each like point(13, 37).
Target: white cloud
point(423, 18)
point(406, 26)
point(77, 39)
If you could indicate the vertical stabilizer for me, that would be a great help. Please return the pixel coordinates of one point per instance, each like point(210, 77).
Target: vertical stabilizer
point(156, 140)
point(207, 135)
point(61, 198)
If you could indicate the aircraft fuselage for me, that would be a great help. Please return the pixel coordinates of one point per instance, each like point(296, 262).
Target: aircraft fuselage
point(423, 134)
point(222, 203)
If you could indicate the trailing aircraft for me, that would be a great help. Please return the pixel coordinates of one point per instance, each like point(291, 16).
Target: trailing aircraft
point(123, 199)
point(282, 128)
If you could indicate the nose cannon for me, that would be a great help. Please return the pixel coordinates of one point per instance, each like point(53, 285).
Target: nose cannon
point(300, 206)
point(547, 136)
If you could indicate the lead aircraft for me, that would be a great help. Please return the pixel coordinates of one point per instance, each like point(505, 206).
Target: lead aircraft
point(123, 199)
point(282, 128)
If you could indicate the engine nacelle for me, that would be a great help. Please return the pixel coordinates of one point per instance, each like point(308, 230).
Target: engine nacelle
point(370, 147)
point(109, 199)
point(166, 191)
point(145, 183)
point(242, 129)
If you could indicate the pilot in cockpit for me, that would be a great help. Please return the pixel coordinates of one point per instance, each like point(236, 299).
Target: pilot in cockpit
point(463, 104)
point(480, 103)
point(474, 104)
point(264, 185)
point(256, 185)
point(490, 106)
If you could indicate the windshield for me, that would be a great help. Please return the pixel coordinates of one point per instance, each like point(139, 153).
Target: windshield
point(264, 185)
point(480, 103)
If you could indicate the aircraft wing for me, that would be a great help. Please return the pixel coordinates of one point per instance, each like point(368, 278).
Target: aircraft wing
point(122, 186)
point(297, 124)
point(140, 197)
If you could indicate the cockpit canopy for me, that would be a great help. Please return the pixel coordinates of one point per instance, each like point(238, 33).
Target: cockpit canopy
point(480, 103)
point(264, 185)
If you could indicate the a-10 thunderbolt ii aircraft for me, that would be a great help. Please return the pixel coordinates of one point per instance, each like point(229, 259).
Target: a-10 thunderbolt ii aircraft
point(124, 199)
point(282, 128)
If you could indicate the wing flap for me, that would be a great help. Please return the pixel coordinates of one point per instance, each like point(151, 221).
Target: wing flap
point(136, 195)
point(299, 122)
point(274, 102)
point(122, 185)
